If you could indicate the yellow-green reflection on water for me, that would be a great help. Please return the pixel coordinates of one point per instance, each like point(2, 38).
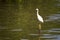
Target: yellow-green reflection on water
point(18, 21)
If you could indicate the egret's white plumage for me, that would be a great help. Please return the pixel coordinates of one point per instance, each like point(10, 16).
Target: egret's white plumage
point(38, 16)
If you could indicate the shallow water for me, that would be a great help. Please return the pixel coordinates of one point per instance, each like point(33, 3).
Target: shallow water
point(22, 23)
point(52, 34)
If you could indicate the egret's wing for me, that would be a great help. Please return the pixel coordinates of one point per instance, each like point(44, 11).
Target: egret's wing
point(40, 18)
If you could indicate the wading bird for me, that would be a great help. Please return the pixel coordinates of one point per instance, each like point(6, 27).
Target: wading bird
point(40, 19)
point(38, 16)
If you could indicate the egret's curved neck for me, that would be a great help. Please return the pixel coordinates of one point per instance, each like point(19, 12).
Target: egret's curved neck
point(37, 11)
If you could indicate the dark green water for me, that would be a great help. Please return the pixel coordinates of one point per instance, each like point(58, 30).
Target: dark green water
point(18, 20)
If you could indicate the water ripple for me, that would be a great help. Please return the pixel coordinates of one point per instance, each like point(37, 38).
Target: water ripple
point(24, 39)
point(53, 17)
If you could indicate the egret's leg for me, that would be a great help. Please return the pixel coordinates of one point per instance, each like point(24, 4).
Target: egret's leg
point(39, 31)
point(39, 26)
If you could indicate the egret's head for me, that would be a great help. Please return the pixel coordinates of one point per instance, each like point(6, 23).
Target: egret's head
point(37, 9)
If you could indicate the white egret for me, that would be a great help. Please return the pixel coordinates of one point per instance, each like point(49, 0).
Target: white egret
point(40, 19)
point(38, 16)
